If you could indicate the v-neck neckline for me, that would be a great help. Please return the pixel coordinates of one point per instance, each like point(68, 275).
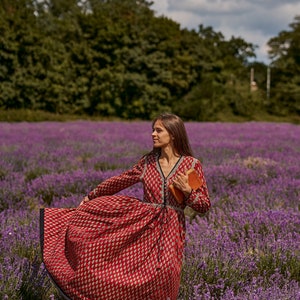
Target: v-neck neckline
point(171, 171)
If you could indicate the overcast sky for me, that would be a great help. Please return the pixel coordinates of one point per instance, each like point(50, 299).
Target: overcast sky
point(256, 21)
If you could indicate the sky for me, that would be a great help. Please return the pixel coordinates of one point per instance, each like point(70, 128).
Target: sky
point(255, 21)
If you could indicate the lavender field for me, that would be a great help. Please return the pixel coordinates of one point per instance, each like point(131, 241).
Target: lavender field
point(246, 247)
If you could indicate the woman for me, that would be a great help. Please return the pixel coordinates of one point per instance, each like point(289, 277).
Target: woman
point(119, 247)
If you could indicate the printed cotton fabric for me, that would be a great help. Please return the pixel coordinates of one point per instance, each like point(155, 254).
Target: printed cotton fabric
point(119, 247)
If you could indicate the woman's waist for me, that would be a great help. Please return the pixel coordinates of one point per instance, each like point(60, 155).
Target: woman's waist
point(167, 205)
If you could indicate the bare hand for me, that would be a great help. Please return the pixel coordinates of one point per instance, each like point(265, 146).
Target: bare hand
point(84, 200)
point(181, 182)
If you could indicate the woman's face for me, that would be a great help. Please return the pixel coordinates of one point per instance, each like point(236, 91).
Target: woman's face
point(160, 135)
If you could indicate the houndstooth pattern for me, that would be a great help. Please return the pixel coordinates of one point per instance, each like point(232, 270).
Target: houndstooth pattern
point(117, 247)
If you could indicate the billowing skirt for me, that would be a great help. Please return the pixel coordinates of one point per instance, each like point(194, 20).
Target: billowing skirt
point(113, 247)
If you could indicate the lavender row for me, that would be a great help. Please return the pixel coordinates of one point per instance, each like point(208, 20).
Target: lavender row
point(247, 247)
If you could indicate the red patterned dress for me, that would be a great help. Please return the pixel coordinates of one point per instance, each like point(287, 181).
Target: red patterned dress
point(119, 247)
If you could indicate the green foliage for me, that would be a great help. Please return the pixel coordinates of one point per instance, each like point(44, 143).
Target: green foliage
point(117, 59)
point(35, 173)
point(270, 264)
point(35, 283)
point(285, 52)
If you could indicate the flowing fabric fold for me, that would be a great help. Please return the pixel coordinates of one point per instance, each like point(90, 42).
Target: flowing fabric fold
point(114, 247)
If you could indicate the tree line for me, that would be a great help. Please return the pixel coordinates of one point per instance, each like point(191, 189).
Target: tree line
point(116, 58)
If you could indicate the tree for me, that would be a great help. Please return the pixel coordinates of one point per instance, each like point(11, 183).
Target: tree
point(115, 58)
point(17, 39)
point(285, 53)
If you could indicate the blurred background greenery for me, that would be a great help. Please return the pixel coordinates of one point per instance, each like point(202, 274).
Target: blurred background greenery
point(70, 59)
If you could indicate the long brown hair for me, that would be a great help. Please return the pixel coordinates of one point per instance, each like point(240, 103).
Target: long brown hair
point(176, 129)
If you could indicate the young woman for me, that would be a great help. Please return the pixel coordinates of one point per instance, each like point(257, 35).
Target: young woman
point(119, 247)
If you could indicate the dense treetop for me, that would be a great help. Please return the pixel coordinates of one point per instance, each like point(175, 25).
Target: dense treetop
point(116, 58)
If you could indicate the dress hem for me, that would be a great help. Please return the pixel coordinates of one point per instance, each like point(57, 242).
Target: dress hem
point(61, 292)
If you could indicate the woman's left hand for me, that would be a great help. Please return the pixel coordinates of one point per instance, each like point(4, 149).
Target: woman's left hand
point(181, 182)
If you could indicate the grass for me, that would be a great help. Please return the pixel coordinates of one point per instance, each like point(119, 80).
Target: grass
point(25, 115)
point(258, 117)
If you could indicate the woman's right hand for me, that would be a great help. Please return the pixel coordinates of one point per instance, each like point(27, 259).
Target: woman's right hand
point(84, 200)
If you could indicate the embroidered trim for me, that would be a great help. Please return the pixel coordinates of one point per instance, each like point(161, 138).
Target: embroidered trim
point(165, 205)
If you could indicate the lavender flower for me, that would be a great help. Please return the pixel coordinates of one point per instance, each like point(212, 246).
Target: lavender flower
point(246, 247)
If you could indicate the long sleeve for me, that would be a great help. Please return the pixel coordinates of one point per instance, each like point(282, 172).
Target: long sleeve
point(199, 199)
point(120, 182)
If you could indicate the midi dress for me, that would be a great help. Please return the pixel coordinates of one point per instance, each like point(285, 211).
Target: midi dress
point(120, 247)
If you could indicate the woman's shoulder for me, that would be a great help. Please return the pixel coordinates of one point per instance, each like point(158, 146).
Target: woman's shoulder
point(149, 157)
point(191, 160)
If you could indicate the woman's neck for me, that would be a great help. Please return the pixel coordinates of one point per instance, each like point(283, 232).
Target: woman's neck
point(168, 155)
